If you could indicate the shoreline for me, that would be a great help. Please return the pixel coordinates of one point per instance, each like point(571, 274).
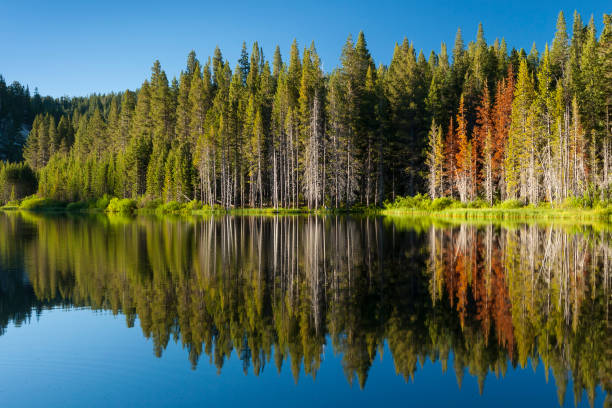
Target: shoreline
point(511, 214)
point(456, 214)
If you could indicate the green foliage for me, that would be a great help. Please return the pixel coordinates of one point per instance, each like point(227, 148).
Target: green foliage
point(170, 207)
point(511, 204)
point(102, 202)
point(418, 202)
point(478, 203)
point(35, 203)
point(441, 203)
point(290, 135)
point(17, 180)
point(78, 206)
point(148, 203)
point(124, 206)
point(193, 205)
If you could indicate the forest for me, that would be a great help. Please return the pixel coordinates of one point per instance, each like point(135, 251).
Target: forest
point(483, 122)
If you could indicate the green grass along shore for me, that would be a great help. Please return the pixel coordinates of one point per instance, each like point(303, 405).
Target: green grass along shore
point(417, 206)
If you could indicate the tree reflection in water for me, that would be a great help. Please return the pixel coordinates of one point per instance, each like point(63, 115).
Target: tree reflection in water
point(279, 288)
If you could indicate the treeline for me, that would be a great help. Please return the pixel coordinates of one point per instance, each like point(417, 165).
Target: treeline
point(18, 108)
point(285, 134)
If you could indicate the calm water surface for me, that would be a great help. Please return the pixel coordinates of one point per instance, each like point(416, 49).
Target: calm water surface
point(302, 311)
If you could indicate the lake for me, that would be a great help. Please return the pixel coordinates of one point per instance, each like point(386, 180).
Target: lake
point(321, 311)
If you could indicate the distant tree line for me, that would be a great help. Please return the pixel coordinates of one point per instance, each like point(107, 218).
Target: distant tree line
point(487, 123)
point(18, 108)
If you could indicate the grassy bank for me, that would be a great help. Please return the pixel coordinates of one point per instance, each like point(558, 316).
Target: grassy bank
point(571, 209)
point(417, 206)
point(145, 205)
point(507, 214)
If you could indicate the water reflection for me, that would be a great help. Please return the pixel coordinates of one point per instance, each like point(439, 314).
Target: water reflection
point(277, 289)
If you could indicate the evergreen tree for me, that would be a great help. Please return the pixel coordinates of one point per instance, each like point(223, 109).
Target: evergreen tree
point(139, 148)
point(463, 157)
point(435, 160)
point(519, 151)
point(559, 53)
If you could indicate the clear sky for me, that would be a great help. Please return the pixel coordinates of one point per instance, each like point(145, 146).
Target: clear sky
point(79, 47)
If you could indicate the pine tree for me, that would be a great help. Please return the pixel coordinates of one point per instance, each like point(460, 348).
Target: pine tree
point(309, 118)
point(128, 105)
point(559, 53)
point(139, 148)
point(243, 64)
point(484, 136)
point(519, 151)
point(502, 111)
point(183, 109)
point(435, 159)
point(463, 157)
point(592, 97)
point(577, 152)
point(65, 135)
point(450, 162)
point(113, 125)
point(43, 141)
point(54, 138)
point(542, 114)
point(277, 63)
point(98, 135)
point(30, 151)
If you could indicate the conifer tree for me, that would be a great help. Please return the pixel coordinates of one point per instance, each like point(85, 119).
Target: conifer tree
point(128, 104)
point(65, 134)
point(450, 162)
point(30, 151)
point(592, 97)
point(54, 140)
point(559, 53)
point(139, 148)
point(113, 125)
point(43, 141)
point(484, 136)
point(519, 151)
point(435, 160)
point(183, 108)
point(463, 157)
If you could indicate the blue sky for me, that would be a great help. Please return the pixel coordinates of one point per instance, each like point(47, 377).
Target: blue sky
point(79, 47)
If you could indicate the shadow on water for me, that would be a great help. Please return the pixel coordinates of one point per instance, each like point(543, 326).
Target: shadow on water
point(278, 288)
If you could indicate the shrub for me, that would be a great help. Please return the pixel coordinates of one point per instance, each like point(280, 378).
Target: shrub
point(419, 201)
point(149, 204)
point(126, 205)
point(441, 203)
point(511, 204)
point(34, 203)
point(102, 202)
point(193, 205)
point(17, 180)
point(478, 203)
point(170, 207)
point(458, 204)
point(78, 206)
point(586, 201)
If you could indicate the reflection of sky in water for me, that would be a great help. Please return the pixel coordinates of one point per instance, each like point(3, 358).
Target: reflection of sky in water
point(481, 292)
point(84, 358)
